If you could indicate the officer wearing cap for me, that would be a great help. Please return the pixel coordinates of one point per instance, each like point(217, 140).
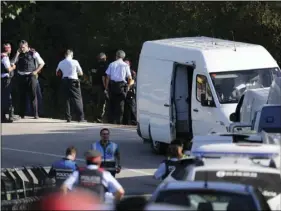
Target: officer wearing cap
point(29, 64)
point(6, 74)
point(117, 73)
point(109, 151)
point(70, 69)
point(94, 178)
point(175, 153)
point(98, 84)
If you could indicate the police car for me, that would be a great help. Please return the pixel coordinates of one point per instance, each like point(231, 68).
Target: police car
point(206, 195)
point(269, 153)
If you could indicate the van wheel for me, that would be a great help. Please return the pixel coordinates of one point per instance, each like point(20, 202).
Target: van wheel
point(158, 147)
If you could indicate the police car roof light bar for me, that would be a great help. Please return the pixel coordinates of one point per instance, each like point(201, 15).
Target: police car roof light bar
point(253, 155)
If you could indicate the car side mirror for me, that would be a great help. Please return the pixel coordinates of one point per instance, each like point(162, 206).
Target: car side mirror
point(205, 102)
point(232, 117)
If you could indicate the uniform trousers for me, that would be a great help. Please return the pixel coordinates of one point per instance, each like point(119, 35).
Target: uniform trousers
point(6, 89)
point(130, 113)
point(27, 86)
point(117, 95)
point(99, 102)
point(72, 94)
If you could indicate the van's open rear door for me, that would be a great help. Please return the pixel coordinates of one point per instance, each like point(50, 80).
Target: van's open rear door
point(162, 123)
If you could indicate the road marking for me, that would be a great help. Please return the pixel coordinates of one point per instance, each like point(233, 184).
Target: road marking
point(60, 156)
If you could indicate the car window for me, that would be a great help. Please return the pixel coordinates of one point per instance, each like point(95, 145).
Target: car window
point(268, 183)
point(207, 200)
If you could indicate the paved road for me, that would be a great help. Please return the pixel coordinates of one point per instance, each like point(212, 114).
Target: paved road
point(42, 141)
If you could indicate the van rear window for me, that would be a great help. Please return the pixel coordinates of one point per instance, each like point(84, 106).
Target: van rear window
point(269, 184)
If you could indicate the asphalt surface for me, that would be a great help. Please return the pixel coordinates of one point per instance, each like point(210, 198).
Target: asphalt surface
point(43, 141)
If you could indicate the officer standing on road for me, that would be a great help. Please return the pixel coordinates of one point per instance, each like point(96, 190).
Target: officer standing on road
point(167, 166)
point(109, 151)
point(6, 87)
point(70, 68)
point(98, 84)
point(117, 73)
point(29, 65)
point(94, 178)
point(68, 162)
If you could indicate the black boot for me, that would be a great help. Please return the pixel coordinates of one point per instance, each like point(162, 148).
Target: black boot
point(12, 114)
point(5, 120)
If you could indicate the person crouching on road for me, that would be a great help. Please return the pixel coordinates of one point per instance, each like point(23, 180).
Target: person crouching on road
point(170, 164)
point(109, 151)
point(94, 178)
point(64, 164)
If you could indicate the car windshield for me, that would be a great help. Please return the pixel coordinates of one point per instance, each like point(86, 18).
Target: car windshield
point(268, 183)
point(206, 199)
point(231, 85)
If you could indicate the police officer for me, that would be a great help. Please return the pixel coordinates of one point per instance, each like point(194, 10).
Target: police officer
point(130, 113)
point(94, 178)
point(175, 153)
point(98, 84)
point(6, 87)
point(110, 152)
point(117, 73)
point(29, 65)
point(66, 163)
point(70, 69)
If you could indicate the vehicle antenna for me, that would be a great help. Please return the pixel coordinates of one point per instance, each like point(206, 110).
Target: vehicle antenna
point(233, 40)
point(213, 40)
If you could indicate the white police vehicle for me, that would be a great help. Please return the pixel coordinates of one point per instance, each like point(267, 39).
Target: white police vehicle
point(237, 163)
point(207, 195)
point(265, 153)
point(254, 164)
point(225, 138)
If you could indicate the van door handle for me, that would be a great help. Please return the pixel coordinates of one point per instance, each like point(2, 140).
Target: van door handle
point(166, 105)
point(196, 110)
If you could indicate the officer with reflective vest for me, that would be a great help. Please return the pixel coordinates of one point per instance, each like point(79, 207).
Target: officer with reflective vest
point(62, 169)
point(6, 74)
point(29, 65)
point(109, 151)
point(94, 178)
point(173, 162)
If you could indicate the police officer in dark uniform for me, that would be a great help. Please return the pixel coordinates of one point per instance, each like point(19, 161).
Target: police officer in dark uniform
point(29, 65)
point(94, 178)
point(98, 84)
point(62, 168)
point(173, 162)
point(7, 70)
point(130, 110)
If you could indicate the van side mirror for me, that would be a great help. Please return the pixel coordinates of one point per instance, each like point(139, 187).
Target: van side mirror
point(205, 102)
point(232, 117)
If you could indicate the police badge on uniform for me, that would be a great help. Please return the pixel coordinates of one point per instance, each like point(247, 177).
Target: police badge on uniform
point(109, 151)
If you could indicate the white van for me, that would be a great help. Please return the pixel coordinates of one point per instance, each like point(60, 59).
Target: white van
point(190, 86)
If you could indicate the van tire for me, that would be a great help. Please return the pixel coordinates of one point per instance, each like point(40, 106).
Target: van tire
point(159, 148)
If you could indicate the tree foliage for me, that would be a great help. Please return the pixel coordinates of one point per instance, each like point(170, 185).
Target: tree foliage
point(92, 27)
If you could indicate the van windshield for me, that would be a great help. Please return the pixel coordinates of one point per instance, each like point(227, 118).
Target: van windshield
point(231, 85)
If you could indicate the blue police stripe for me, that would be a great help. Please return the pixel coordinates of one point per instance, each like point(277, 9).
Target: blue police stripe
point(254, 154)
